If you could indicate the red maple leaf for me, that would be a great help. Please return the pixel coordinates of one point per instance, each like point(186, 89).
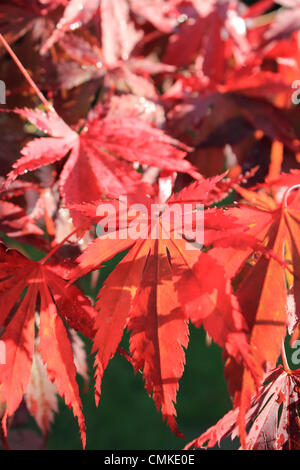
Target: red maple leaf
point(41, 395)
point(142, 294)
point(18, 17)
point(118, 31)
point(44, 286)
point(101, 156)
point(273, 419)
point(264, 289)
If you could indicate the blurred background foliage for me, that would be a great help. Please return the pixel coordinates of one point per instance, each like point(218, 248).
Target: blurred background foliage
point(126, 417)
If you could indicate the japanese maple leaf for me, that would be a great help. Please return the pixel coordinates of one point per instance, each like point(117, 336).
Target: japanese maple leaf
point(41, 395)
point(119, 33)
point(233, 101)
point(17, 17)
point(264, 289)
point(101, 156)
point(273, 418)
point(199, 38)
point(141, 294)
point(243, 96)
point(75, 15)
point(132, 74)
point(43, 285)
point(15, 221)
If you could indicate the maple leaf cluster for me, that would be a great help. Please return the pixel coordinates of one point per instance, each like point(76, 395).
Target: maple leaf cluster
point(169, 104)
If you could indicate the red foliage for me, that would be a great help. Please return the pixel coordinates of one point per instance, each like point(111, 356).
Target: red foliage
point(143, 108)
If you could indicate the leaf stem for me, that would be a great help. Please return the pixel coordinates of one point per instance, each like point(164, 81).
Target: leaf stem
point(45, 102)
point(4, 441)
point(56, 247)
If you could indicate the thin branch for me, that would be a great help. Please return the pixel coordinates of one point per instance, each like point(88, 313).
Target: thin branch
point(22, 69)
point(56, 247)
